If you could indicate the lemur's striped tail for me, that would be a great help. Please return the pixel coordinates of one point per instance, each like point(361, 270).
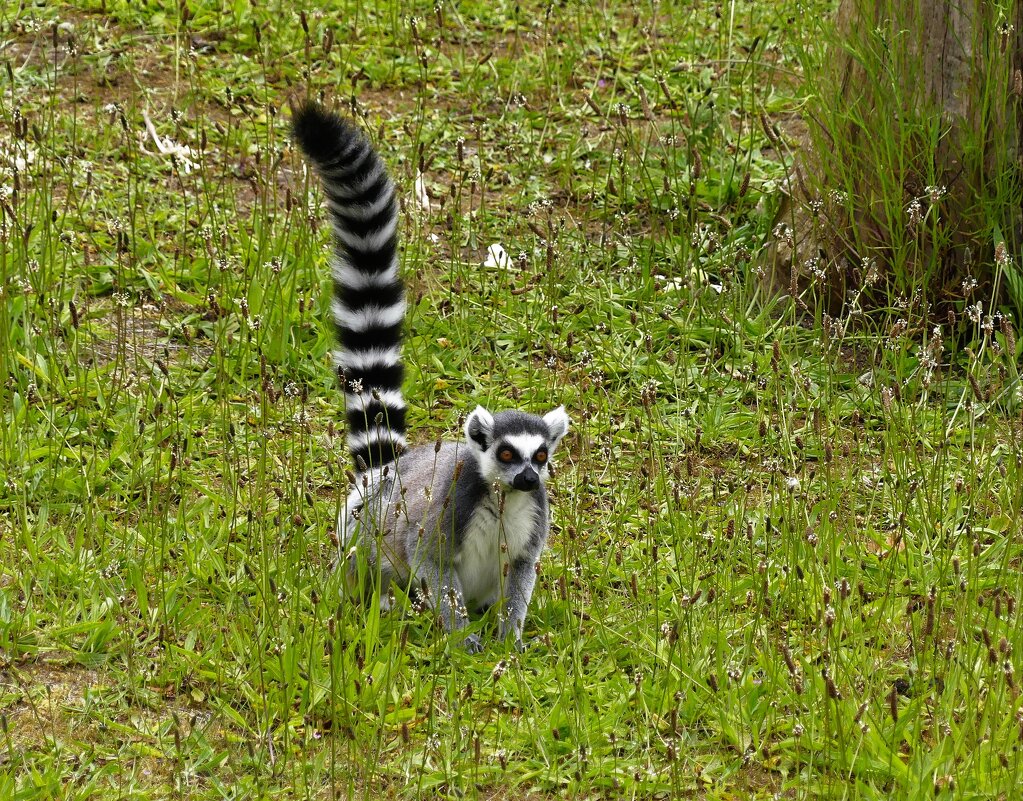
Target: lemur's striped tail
point(369, 299)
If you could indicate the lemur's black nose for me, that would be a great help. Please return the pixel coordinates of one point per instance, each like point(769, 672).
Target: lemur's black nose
point(526, 480)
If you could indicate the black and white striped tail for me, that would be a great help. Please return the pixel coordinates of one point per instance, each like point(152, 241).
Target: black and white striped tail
point(369, 299)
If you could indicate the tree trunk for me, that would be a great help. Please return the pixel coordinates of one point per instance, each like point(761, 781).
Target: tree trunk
point(912, 177)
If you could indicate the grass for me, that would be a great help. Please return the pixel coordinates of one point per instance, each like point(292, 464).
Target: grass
point(785, 559)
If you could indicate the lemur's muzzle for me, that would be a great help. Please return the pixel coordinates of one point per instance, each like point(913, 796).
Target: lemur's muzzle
point(527, 480)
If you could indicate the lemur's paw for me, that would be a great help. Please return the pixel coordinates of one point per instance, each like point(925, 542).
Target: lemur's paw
point(509, 630)
point(472, 644)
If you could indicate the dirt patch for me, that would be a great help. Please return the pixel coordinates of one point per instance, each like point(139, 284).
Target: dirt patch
point(56, 700)
point(38, 697)
point(138, 337)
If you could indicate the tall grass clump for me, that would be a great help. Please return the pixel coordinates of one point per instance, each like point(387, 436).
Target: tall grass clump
point(908, 185)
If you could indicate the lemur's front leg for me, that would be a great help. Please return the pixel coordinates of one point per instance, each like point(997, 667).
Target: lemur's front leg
point(518, 589)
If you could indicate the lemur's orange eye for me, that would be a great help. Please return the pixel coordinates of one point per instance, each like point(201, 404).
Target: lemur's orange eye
point(506, 455)
point(540, 457)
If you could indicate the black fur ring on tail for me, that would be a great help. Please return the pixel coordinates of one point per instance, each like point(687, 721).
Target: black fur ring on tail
point(369, 300)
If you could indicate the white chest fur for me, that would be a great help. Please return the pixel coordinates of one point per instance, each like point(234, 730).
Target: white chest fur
point(491, 540)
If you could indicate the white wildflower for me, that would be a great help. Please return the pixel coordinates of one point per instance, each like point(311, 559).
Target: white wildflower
point(914, 213)
point(871, 273)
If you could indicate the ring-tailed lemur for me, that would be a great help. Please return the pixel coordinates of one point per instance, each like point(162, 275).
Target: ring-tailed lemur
point(462, 523)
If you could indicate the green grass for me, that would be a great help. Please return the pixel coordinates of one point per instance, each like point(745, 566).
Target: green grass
point(785, 557)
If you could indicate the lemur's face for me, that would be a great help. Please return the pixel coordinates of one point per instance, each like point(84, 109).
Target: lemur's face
point(513, 448)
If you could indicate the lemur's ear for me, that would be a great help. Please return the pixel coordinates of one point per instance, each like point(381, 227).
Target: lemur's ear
point(557, 424)
point(479, 427)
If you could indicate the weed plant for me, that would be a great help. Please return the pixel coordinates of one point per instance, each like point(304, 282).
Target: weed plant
point(785, 557)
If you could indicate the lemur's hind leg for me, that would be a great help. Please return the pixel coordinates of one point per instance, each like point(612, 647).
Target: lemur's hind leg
point(441, 588)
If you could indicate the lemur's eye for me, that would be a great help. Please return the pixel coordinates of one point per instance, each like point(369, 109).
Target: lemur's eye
point(540, 457)
point(506, 455)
